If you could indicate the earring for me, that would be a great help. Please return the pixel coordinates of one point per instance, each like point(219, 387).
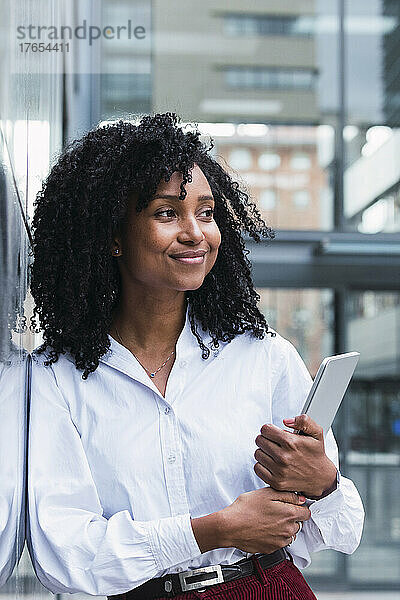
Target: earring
point(116, 251)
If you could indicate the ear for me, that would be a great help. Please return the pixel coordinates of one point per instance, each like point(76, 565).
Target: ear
point(116, 247)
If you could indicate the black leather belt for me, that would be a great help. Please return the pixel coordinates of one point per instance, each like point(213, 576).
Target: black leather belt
point(198, 579)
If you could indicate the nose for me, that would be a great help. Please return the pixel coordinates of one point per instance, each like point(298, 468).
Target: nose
point(190, 230)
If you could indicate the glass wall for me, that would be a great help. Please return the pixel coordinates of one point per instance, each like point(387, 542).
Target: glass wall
point(31, 132)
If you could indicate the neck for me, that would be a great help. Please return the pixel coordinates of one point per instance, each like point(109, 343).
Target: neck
point(149, 324)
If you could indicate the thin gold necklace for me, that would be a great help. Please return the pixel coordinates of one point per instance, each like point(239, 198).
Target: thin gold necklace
point(152, 374)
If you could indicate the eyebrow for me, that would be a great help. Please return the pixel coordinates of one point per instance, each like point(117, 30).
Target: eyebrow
point(173, 197)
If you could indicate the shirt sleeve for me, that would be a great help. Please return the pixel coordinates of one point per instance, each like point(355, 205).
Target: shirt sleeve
point(73, 547)
point(337, 520)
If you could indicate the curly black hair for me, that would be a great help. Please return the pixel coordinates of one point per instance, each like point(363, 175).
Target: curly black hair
point(74, 279)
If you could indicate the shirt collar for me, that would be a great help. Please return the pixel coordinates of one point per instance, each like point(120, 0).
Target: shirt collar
point(187, 347)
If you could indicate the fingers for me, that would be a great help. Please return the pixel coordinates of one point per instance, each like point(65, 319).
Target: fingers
point(263, 473)
point(305, 424)
point(269, 447)
point(273, 463)
point(266, 460)
point(288, 497)
point(277, 462)
point(271, 474)
point(275, 434)
point(304, 514)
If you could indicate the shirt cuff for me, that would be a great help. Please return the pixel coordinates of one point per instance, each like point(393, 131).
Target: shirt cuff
point(172, 541)
point(324, 512)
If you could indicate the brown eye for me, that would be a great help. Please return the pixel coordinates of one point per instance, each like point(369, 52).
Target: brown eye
point(167, 210)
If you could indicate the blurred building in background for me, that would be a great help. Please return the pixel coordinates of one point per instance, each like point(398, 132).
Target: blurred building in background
point(302, 100)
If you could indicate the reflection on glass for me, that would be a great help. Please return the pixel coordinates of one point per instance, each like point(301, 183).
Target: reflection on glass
point(13, 365)
point(31, 103)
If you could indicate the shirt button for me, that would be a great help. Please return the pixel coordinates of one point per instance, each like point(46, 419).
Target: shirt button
point(171, 458)
point(183, 364)
point(166, 410)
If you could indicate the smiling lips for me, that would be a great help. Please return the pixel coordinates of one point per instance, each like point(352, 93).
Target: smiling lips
point(195, 260)
point(191, 258)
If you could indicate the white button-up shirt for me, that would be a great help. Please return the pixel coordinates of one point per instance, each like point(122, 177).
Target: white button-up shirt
point(116, 470)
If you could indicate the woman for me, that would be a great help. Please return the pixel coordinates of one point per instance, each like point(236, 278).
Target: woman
point(156, 375)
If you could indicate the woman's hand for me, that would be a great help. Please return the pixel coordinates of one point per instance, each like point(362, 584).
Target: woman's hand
point(292, 462)
point(262, 520)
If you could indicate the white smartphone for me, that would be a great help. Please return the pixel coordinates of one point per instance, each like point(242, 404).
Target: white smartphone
point(329, 387)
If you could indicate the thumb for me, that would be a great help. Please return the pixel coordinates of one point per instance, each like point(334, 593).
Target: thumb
point(306, 425)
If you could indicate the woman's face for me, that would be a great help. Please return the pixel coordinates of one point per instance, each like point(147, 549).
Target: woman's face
point(168, 227)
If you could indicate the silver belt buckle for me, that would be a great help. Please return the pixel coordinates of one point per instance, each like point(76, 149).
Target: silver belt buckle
point(200, 584)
